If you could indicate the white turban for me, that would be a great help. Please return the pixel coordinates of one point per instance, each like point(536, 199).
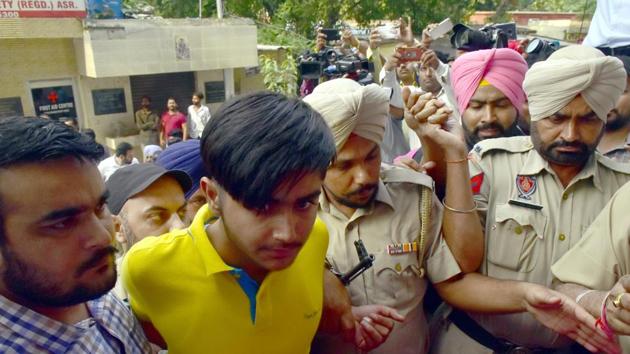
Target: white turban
point(574, 70)
point(348, 107)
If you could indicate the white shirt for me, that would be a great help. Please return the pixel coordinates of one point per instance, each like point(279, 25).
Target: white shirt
point(108, 166)
point(610, 26)
point(197, 120)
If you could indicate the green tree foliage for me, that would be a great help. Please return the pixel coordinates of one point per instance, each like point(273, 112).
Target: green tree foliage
point(422, 12)
point(303, 15)
point(538, 5)
point(279, 77)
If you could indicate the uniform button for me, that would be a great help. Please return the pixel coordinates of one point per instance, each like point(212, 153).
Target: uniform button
point(562, 237)
point(565, 196)
point(518, 230)
point(398, 267)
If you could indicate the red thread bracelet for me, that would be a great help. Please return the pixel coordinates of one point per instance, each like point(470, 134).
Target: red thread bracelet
point(602, 321)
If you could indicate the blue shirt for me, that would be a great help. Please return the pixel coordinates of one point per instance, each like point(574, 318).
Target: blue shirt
point(110, 329)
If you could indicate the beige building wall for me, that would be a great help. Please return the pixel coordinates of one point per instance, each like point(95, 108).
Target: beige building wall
point(204, 76)
point(138, 47)
point(27, 60)
point(120, 124)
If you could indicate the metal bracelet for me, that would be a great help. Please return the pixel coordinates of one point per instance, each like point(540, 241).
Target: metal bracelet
point(459, 210)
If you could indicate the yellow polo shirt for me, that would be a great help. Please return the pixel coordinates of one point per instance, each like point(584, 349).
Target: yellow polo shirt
point(180, 284)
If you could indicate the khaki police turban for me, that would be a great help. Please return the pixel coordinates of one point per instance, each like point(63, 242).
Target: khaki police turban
point(574, 70)
point(348, 107)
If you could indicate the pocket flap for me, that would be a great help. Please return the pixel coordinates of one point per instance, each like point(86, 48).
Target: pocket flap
point(523, 216)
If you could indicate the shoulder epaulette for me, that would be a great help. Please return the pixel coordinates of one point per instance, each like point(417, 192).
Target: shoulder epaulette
point(395, 174)
point(622, 167)
point(510, 144)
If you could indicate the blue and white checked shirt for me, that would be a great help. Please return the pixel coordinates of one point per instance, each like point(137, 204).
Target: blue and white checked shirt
point(111, 329)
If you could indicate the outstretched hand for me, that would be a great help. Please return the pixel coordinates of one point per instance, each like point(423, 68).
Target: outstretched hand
point(373, 325)
point(561, 314)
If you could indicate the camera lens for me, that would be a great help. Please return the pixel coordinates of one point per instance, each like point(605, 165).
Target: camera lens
point(534, 46)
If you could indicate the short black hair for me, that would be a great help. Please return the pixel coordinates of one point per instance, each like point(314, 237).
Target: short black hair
point(123, 148)
point(198, 94)
point(145, 97)
point(39, 139)
point(254, 142)
point(443, 57)
point(33, 140)
point(90, 132)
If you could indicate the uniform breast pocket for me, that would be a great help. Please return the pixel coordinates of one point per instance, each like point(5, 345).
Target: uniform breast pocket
point(513, 237)
point(396, 277)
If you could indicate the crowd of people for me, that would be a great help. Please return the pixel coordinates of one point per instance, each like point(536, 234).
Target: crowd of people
point(474, 207)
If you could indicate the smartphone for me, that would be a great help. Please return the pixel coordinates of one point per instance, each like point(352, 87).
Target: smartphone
point(409, 54)
point(441, 29)
point(331, 34)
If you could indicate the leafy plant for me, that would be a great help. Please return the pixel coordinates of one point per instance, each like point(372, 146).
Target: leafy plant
point(281, 78)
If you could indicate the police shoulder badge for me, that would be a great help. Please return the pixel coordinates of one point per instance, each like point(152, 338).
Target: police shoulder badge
point(526, 186)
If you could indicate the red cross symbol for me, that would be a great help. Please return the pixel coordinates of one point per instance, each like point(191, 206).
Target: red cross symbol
point(52, 97)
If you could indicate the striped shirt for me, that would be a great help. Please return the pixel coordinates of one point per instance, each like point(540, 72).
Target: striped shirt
point(111, 329)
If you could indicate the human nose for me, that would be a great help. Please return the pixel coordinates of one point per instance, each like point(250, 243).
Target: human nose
point(175, 223)
point(99, 231)
point(283, 229)
point(489, 114)
point(570, 131)
point(361, 175)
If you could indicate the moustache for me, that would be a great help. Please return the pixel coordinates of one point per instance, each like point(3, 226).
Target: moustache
point(96, 259)
point(361, 190)
point(491, 125)
point(559, 144)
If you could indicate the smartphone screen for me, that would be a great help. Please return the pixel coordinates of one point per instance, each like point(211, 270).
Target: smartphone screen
point(331, 34)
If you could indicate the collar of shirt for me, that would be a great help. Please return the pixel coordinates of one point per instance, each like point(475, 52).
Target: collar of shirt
point(212, 262)
point(534, 164)
point(382, 197)
point(45, 332)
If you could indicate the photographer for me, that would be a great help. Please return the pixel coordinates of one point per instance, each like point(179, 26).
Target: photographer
point(395, 74)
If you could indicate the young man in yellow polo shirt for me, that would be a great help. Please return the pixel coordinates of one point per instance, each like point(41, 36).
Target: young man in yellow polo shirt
point(253, 280)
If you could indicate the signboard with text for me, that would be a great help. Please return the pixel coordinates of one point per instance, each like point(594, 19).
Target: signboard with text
point(42, 8)
point(56, 102)
point(109, 101)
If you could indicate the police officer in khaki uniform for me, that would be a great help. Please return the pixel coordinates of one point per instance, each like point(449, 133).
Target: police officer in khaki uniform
point(393, 211)
point(537, 196)
point(597, 268)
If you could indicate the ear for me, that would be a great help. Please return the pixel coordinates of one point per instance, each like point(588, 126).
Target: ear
point(210, 190)
point(120, 238)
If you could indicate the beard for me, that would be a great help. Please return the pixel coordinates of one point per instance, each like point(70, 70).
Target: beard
point(616, 121)
point(125, 229)
point(34, 286)
point(473, 137)
point(348, 200)
point(550, 153)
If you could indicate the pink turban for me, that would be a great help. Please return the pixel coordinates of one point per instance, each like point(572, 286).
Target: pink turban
point(503, 68)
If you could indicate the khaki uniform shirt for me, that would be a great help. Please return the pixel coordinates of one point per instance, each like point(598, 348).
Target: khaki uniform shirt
point(522, 242)
point(620, 153)
point(393, 218)
point(602, 256)
point(149, 123)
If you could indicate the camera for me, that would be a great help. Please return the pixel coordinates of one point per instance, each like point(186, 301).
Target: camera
point(539, 50)
point(490, 36)
point(332, 63)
